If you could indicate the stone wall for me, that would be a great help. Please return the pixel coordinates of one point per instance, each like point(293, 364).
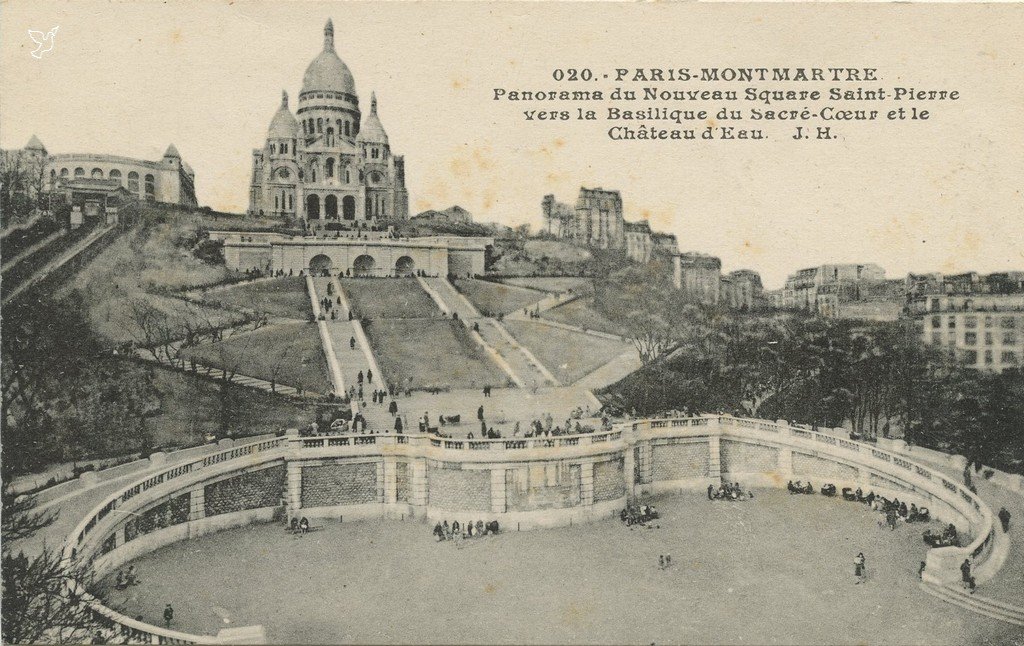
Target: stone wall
point(452, 487)
point(553, 485)
point(876, 480)
point(740, 457)
point(403, 484)
point(328, 485)
point(263, 488)
point(826, 470)
point(680, 461)
point(170, 512)
point(609, 480)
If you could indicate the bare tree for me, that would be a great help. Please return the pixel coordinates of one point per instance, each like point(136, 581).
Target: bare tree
point(45, 597)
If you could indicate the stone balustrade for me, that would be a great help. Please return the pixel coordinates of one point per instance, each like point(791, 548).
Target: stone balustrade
point(522, 482)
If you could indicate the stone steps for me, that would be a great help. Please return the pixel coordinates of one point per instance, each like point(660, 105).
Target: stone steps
point(981, 605)
point(523, 362)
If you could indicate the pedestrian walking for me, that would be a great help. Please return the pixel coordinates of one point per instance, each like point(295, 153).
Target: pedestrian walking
point(966, 576)
point(369, 376)
point(352, 343)
point(860, 567)
point(168, 615)
point(480, 413)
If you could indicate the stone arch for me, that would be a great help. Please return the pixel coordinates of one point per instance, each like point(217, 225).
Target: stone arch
point(364, 265)
point(404, 266)
point(133, 182)
point(331, 207)
point(97, 173)
point(313, 206)
point(348, 207)
point(115, 174)
point(79, 172)
point(320, 263)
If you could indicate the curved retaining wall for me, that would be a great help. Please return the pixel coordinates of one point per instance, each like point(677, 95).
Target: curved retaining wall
point(522, 483)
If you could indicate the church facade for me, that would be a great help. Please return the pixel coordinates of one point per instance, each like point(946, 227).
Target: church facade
point(328, 164)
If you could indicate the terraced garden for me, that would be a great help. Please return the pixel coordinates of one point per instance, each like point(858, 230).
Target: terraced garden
point(389, 298)
point(283, 297)
point(492, 299)
point(423, 354)
point(290, 354)
point(569, 355)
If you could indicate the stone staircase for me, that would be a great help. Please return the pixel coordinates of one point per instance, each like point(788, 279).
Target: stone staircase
point(530, 372)
point(982, 605)
point(614, 370)
point(448, 298)
point(525, 370)
point(338, 336)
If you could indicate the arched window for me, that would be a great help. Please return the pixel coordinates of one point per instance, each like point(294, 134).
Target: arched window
point(97, 173)
point(133, 182)
point(273, 149)
point(348, 131)
point(63, 172)
point(337, 122)
point(79, 172)
point(329, 167)
point(115, 174)
point(312, 130)
point(150, 188)
point(348, 176)
point(319, 125)
point(289, 201)
point(276, 205)
point(304, 126)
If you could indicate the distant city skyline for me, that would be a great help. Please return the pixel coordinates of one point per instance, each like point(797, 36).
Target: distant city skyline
point(945, 195)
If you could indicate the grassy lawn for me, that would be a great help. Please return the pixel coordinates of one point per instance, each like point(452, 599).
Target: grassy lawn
point(569, 355)
point(121, 278)
point(432, 353)
point(192, 406)
point(494, 298)
point(552, 284)
point(580, 313)
point(283, 297)
point(289, 354)
point(389, 298)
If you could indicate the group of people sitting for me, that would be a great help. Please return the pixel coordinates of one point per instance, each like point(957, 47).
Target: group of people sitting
point(800, 487)
point(728, 491)
point(445, 532)
point(635, 514)
point(299, 526)
point(126, 579)
point(945, 538)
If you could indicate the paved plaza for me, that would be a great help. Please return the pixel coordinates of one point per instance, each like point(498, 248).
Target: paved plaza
point(778, 569)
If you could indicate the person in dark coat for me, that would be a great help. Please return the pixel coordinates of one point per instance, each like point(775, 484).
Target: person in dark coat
point(480, 413)
point(398, 424)
point(1004, 519)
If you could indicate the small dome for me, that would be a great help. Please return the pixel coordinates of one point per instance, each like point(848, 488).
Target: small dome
point(35, 144)
point(372, 130)
point(327, 72)
point(283, 125)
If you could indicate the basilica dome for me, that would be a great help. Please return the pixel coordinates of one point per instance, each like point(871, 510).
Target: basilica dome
point(373, 130)
point(283, 125)
point(327, 72)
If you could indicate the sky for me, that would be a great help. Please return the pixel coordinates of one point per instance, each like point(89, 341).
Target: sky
point(128, 78)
